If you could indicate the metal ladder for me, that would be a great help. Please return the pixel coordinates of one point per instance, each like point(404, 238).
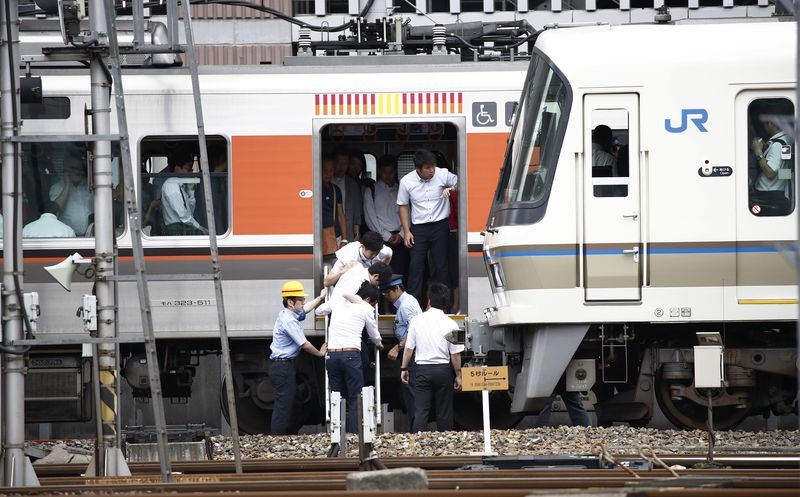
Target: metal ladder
point(135, 222)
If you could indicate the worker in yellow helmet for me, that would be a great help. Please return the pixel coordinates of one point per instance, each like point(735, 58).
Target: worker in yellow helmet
point(287, 341)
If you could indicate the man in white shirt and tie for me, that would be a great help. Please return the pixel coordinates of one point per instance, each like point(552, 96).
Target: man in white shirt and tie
point(178, 202)
point(424, 192)
point(434, 378)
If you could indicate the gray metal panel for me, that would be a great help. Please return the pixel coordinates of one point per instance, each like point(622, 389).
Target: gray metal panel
point(624, 4)
point(319, 7)
point(241, 54)
point(763, 3)
point(455, 6)
point(555, 5)
point(591, 5)
point(522, 6)
point(488, 6)
point(727, 3)
point(694, 4)
point(353, 7)
point(422, 6)
point(548, 350)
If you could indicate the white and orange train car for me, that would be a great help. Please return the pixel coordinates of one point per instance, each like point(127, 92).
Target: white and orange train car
point(267, 129)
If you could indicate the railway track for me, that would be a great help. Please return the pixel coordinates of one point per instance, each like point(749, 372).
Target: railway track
point(764, 476)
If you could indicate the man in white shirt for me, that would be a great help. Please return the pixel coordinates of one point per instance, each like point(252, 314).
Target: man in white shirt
point(364, 253)
point(378, 273)
point(48, 225)
point(380, 212)
point(178, 203)
point(425, 193)
point(602, 160)
point(434, 378)
point(343, 360)
point(71, 194)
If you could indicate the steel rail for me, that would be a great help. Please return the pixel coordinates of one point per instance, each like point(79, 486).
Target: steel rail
point(741, 461)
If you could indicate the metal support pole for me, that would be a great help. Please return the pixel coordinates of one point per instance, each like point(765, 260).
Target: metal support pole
point(378, 410)
point(103, 233)
point(13, 388)
point(796, 191)
point(135, 227)
point(212, 235)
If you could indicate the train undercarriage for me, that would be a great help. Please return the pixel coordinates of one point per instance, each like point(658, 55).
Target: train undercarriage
point(626, 370)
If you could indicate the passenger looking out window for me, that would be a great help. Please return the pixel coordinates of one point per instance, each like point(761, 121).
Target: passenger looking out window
point(771, 191)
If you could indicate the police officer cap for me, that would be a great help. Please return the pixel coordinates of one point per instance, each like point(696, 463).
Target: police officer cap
point(395, 280)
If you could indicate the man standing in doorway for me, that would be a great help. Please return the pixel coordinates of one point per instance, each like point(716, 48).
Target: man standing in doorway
point(434, 379)
point(287, 341)
point(380, 212)
point(425, 193)
point(351, 193)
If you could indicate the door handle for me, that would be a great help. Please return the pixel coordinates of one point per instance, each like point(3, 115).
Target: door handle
point(635, 252)
point(634, 215)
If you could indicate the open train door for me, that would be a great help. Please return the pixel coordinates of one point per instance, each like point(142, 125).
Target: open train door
point(611, 248)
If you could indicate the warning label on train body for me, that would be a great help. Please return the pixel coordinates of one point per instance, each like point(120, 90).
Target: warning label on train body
point(488, 378)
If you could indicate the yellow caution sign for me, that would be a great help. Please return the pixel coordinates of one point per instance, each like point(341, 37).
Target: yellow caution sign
point(484, 378)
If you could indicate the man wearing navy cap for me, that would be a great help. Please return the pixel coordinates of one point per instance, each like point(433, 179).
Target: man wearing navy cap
point(407, 307)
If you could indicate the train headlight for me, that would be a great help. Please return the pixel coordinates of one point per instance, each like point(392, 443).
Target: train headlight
point(498, 279)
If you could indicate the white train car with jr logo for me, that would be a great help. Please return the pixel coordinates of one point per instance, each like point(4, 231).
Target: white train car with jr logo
point(649, 193)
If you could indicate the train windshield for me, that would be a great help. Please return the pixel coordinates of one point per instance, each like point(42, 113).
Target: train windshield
point(536, 139)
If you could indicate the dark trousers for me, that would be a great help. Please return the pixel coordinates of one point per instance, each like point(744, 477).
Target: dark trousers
point(346, 377)
point(433, 383)
point(428, 237)
point(399, 262)
point(577, 414)
point(282, 377)
point(408, 395)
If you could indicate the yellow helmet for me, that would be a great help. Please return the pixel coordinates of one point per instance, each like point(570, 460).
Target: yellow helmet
point(293, 289)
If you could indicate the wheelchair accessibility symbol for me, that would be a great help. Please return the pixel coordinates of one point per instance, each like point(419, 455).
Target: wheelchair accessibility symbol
point(484, 114)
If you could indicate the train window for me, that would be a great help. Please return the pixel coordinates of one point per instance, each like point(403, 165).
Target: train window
point(610, 168)
point(49, 108)
point(534, 153)
point(57, 197)
point(171, 195)
point(771, 163)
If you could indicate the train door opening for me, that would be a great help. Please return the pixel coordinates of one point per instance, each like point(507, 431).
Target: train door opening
point(612, 235)
point(376, 156)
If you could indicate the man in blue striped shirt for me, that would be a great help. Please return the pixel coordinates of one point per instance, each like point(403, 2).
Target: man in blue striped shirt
point(287, 341)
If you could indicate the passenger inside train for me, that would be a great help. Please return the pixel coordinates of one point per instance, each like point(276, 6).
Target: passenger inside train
point(772, 164)
point(172, 200)
point(367, 185)
point(56, 190)
point(610, 153)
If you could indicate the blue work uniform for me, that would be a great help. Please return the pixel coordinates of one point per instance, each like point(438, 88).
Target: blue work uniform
point(407, 307)
point(287, 339)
